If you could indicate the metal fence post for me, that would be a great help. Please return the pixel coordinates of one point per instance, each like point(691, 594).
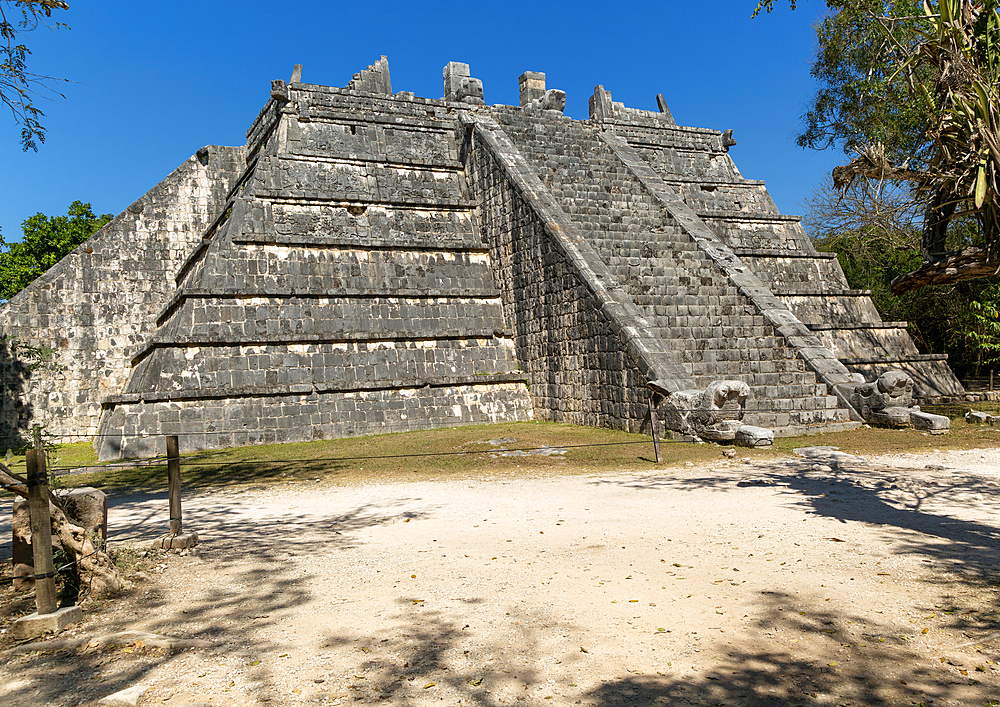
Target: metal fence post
point(655, 424)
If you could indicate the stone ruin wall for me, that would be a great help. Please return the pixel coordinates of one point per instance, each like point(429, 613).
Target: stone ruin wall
point(98, 305)
point(346, 292)
point(373, 189)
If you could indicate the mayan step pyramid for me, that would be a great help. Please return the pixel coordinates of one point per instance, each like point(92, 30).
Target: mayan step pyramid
point(373, 262)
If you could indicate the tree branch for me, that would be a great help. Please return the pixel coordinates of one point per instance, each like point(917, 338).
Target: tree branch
point(966, 264)
point(873, 163)
point(15, 484)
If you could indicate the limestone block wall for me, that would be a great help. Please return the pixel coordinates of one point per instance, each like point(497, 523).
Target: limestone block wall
point(344, 291)
point(688, 303)
point(100, 302)
point(579, 368)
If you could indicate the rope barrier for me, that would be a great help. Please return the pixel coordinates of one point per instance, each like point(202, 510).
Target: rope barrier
point(198, 461)
point(149, 435)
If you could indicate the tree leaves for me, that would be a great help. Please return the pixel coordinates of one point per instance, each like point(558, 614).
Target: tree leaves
point(46, 241)
point(19, 86)
point(917, 79)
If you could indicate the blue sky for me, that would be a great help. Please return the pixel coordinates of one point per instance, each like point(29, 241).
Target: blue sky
point(153, 82)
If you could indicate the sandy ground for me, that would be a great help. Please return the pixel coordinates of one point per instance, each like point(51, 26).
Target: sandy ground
point(797, 582)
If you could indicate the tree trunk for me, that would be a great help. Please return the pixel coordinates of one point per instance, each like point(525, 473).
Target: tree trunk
point(91, 570)
point(938, 215)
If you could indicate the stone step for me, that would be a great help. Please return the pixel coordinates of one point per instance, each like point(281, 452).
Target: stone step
point(842, 423)
point(850, 326)
point(889, 359)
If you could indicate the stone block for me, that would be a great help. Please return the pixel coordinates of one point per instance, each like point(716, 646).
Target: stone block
point(87, 507)
point(751, 436)
point(531, 85)
point(885, 402)
point(34, 625)
point(974, 417)
point(554, 99)
point(935, 424)
point(454, 72)
point(129, 697)
point(676, 409)
point(181, 541)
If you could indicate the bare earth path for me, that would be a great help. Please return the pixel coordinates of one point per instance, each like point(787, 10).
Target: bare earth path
point(777, 583)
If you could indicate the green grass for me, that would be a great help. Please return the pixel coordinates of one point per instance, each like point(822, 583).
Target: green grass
point(958, 410)
point(465, 452)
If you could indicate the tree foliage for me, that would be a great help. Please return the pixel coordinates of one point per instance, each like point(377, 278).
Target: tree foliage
point(46, 241)
point(19, 87)
point(873, 230)
point(861, 102)
point(912, 88)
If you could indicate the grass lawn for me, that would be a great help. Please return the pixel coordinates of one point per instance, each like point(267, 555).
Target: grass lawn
point(468, 451)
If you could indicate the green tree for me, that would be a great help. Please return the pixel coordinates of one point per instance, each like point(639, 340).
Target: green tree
point(912, 88)
point(979, 327)
point(46, 240)
point(19, 87)
point(874, 230)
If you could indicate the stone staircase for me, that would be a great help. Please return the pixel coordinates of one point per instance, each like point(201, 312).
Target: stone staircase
point(811, 284)
point(687, 300)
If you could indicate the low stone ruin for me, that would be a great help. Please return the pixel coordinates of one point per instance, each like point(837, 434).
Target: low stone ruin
point(974, 417)
point(888, 402)
point(533, 94)
point(460, 87)
point(80, 530)
point(714, 414)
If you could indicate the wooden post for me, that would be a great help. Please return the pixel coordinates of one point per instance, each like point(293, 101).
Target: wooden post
point(654, 423)
point(991, 380)
point(174, 482)
point(41, 532)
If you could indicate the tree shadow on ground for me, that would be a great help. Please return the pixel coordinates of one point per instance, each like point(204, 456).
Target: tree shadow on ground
point(961, 552)
point(235, 615)
point(848, 661)
point(842, 661)
point(877, 497)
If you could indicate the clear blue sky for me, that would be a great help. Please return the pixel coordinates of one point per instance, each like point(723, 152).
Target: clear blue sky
point(153, 82)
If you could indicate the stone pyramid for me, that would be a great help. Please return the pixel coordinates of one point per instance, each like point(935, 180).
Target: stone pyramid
point(372, 261)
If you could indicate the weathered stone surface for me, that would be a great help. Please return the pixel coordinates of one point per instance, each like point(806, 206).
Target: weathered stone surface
point(887, 401)
point(554, 99)
point(129, 697)
point(459, 86)
point(750, 436)
point(101, 300)
point(85, 506)
point(927, 421)
point(676, 411)
point(531, 85)
point(390, 262)
point(718, 409)
point(181, 541)
point(831, 456)
point(979, 418)
point(34, 625)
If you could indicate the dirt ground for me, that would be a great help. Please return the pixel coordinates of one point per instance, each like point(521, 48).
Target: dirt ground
point(791, 582)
